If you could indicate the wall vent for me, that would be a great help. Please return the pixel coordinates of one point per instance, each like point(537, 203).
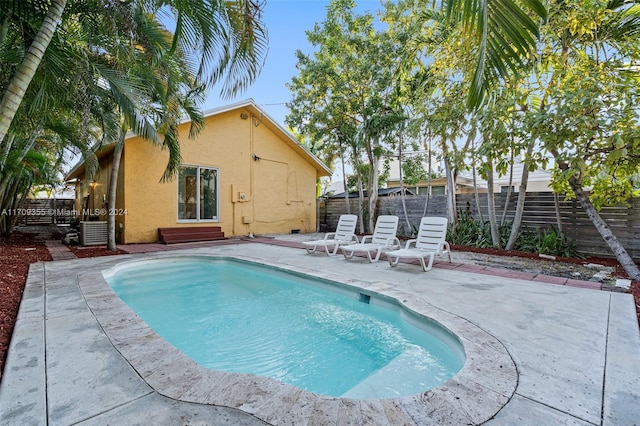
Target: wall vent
point(93, 233)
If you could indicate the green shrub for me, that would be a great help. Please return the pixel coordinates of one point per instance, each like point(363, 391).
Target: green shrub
point(473, 233)
point(546, 241)
point(467, 232)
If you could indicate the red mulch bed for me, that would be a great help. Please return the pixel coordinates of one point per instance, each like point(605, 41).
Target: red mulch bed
point(21, 250)
point(16, 254)
point(83, 252)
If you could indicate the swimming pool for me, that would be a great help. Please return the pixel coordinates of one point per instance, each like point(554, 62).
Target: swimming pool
point(330, 339)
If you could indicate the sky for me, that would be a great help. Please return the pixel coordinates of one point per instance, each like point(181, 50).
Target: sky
point(286, 22)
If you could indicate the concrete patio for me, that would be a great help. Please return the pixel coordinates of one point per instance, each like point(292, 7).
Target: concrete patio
point(576, 352)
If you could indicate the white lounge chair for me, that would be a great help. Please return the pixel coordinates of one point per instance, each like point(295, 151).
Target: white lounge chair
point(383, 238)
point(344, 234)
point(430, 242)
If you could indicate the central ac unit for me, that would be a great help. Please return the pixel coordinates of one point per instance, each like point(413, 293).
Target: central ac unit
point(93, 233)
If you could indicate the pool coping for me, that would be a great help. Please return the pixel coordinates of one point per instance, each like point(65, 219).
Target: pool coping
point(474, 395)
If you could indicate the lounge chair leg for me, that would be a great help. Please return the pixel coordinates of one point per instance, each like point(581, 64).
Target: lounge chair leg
point(427, 267)
point(431, 256)
point(371, 260)
point(424, 267)
point(393, 263)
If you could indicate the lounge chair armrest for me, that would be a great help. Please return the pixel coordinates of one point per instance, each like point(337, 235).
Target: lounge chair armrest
point(410, 242)
point(329, 236)
point(366, 238)
point(393, 242)
point(349, 238)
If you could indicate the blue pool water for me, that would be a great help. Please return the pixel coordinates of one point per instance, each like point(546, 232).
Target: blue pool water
point(238, 316)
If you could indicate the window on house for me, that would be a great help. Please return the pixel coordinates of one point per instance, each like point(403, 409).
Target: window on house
point(198, 193)
point(437, 190)
point(505, 188)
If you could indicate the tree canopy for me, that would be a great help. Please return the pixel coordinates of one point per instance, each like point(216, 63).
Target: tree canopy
point(553, 84)
point(76, 74)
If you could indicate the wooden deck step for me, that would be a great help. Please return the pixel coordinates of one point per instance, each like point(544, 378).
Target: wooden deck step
point(190, 234)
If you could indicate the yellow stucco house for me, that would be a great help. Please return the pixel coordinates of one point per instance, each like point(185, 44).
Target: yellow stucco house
point(244, 173)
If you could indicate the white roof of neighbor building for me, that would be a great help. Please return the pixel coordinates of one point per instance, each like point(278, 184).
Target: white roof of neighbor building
point(538, 175)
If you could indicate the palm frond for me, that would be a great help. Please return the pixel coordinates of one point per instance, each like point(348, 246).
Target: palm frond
point(249, 47)
point(624, 24)
point(170, 143)
point(505, 32)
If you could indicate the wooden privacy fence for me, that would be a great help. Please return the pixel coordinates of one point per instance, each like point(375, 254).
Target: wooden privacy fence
point(539, 212)
point(46, 211)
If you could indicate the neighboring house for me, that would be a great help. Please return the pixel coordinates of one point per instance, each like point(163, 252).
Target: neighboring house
point(538, 181)
point(243, 172)
point(464, 185)
point(382, 192)
point(332, 188)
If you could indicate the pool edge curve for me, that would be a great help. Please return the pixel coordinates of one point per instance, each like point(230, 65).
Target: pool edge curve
point(474, 395)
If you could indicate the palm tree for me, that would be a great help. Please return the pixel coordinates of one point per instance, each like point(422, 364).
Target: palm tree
point(505, 31)
point(507, 37)
point(31, 169)
point(34, 159)
point(173, 89)
point(50, 125)
point(373, 132)
point(92, 64)
point(166, 92)
point(18, 84)
point(227, 39)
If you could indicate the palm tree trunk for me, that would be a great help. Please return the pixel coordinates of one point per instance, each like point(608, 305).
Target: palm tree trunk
point(4, 29)
point(20, 81)
point(14, 219)
point(8, 203)
point(360, 204)
point(429, 171)
point(612, 241)
point(517, 219)
point(402, 192)
point(344, 181)
point(5, 150)
point(556, 204)
point(373, 193)
point(508, 197)
point(11, 203)
point(23, 152)
point(522, 195)
point(491, 206)
point(474, 174)
point(452, 215)
point(113, 186)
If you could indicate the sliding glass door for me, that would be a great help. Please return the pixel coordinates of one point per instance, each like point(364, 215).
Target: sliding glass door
point(198, 194)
